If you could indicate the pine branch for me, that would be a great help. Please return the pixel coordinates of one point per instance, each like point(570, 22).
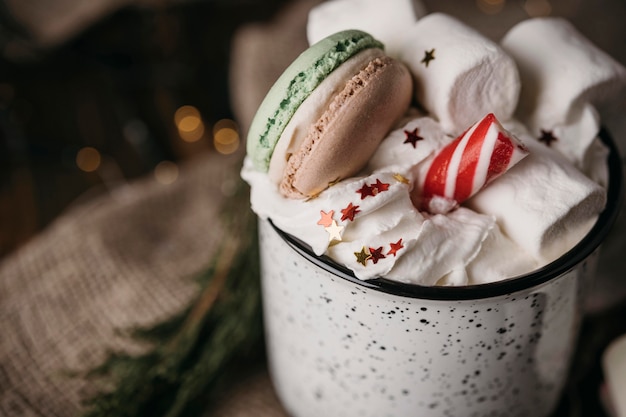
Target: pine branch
point(220, 326)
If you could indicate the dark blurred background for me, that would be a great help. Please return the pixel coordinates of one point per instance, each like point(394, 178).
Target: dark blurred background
point(108, 94)
point(100, 92)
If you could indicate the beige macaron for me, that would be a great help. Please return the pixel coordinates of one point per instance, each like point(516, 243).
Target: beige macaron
point(363, 105)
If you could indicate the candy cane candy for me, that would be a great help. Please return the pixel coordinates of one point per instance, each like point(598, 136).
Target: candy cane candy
point(466, 165)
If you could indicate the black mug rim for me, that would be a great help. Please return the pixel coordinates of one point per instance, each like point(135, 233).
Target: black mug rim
point(558, 267)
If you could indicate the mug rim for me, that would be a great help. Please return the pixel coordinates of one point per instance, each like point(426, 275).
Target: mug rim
point(565, 263)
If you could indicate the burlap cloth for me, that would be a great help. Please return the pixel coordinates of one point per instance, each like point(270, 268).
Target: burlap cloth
point(126, 259)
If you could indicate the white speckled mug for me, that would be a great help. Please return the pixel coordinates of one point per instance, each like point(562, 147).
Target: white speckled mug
point(338, 346)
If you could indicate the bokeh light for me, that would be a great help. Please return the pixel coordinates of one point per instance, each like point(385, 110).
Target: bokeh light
point(189, 123)
point(166, 172)
point(490, 6)
point(226, 136)
point(88, 159)
point(537, 8)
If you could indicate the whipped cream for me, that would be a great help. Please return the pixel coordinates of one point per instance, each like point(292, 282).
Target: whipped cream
point(524, 219)
point(369, 223)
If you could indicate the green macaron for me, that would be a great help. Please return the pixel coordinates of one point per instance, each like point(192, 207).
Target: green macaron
point(295, 84)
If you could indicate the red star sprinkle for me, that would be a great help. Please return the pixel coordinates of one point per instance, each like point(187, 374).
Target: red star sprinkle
point(327, 218)
point(376, 254)
point(365, 191)
point(412, 137)
point(349, 212)
point(547, 137)
point(379, 187)
point(395, 247)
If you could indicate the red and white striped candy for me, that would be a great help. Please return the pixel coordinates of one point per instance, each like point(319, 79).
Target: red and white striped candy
point(462, 168)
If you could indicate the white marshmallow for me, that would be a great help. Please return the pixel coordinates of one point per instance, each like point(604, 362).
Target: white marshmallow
point(614, 367)
point(397, 152)
point(594, 165)
point(385, 20)
point(469, 76)
point(563, 76)
point(544, 203)
point(499, 257)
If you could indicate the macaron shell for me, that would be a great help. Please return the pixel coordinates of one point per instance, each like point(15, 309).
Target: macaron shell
point(295, 85)
point(313, 108)
point(341, 142)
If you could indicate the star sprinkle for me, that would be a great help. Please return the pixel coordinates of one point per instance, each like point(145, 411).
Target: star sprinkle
point(547, 137)
point(379, 187)
point(412, 137)
point(363, 256)
point(349, 212)
point(312, 197)
point(401, 178)
point(327, 218)
point(371, 190)
point(334, 231)
point(395, 247)
point(428, 56)
point(365, 191)
point(334, 182)
point(376, 254)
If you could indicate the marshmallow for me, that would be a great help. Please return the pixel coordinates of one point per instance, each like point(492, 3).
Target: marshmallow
point(417, 140)
point(594, 165)
point(563, 76)
point(544, 203)
point(614, 368)
point(460, 75)
point(385, 20)
point(462, 168)
point(499, 257)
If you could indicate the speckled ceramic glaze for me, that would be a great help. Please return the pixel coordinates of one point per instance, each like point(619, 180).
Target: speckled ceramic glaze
point(339, 346)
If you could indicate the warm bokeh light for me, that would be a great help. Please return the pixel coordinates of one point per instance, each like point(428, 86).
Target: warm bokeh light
point(537, 8)
point(166, 172)
point(490, 6)
point(189, 123)
point(226, 136)
point(88, 159)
